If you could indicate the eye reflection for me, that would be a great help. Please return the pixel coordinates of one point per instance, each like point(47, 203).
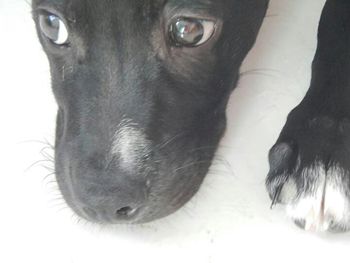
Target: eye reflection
point(191, 32)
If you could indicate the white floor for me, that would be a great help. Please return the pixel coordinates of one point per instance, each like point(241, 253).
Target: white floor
point(228, 221)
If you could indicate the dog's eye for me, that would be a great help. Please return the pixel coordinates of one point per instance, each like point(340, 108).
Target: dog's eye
point(53, 28)
point(191, 32)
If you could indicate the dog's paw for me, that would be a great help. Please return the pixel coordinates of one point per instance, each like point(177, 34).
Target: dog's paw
point(310, 173)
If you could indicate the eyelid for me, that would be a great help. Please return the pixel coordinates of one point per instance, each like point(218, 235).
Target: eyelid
point(45, 9)
point(199, 11)
point(190, 15)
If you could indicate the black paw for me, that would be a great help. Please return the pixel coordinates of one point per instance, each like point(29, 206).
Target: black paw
point(310, 172)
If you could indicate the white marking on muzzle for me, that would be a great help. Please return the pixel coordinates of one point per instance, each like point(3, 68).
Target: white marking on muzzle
point(130, 146)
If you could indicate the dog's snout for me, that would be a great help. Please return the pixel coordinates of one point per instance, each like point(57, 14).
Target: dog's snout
point(112, 198)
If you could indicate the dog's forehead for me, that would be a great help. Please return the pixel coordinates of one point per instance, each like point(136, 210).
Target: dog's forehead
point(124, 15)
point(74, 5)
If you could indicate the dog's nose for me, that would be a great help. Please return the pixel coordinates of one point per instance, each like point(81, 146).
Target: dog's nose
point(104, 192)
point(116, 199)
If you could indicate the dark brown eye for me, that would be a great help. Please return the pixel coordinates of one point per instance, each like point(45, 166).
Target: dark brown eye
point(53, 28)
point(191, 32)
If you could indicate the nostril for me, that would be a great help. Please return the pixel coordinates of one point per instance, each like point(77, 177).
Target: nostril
point(125, 211)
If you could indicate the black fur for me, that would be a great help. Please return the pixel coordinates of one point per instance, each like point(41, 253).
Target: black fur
point(317, 132)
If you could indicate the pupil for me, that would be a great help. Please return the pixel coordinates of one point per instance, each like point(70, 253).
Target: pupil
point(50, 25)
point(53, 21)
point(188, 31)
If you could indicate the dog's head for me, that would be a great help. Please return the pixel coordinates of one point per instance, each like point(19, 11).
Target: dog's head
point(142, 87)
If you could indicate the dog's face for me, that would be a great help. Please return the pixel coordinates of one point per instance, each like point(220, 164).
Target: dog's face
point(142, 88)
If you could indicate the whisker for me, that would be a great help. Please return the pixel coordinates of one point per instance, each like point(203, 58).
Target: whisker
point(190, 164)
point(48, 176)
point(35, 163)
point(261, 72)
point(271, 15)
point(222, 160)
point(28, 2)
point(167, 142)
point(44, 141)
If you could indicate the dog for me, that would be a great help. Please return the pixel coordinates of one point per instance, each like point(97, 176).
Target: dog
point(142, 88)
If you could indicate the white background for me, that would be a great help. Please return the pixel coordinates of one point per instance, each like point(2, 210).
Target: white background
point(229, 220)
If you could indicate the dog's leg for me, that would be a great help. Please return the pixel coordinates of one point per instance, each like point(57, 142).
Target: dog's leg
point(310, 163)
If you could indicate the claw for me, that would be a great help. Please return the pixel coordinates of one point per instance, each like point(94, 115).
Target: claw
point(276, 196)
